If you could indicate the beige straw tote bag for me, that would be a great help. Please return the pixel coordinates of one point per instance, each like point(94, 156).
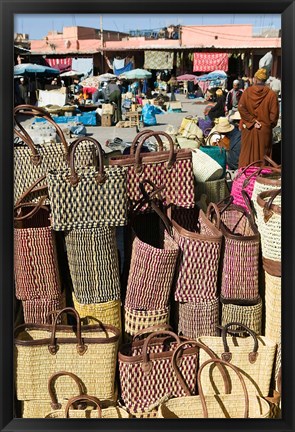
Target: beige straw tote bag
point(90, 352)
point(55, 399)
point(205, 167)
point(273, 307)
point(111, 412)
point(136, 320)
point(253, 356)
point(215, 406)
point(269, 226)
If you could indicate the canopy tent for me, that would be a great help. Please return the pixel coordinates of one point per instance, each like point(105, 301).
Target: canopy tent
point(186, 77)
point(71, 73)
point(136, 74)
point(32, 70)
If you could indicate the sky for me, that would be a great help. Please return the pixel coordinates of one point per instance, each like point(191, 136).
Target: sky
point(38, 25)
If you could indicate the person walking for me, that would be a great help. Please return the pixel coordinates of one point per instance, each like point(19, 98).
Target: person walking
point(259, 110)
point(232, 98)
point(113, 94)
point(23, 90)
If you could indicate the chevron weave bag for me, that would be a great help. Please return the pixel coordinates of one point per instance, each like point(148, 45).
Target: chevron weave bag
point(88, 197)
point(172, 169)
point(33, 161)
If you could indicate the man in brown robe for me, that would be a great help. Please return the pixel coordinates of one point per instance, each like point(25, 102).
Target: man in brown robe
point(259, 110)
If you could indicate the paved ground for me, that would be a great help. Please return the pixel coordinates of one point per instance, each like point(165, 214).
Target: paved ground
point(102, 134)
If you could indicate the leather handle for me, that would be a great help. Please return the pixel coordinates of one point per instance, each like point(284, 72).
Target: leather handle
point(32, 188)
point(74, 178)
point(84, 398)
point(268, 207)
point(141, 134)
point(53, 347)
point(146, 364)
point(248, 203)
point(235, 369)
point(244, 170)
point(138, 165)
point(36, 208)
point(151, 330)
point(212, 207)
point(54, 402)
point(176, 357)
point(147, 196)
point(271, 162)
point(227, 355)
point(39, 112)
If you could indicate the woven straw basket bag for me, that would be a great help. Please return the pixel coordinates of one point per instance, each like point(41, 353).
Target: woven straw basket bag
point(273, 307)
point(112, 412)
point(32, 162)
point(248, 315)
point(90, 352)
point(55, 400)
point(253, 356)
point(105, 312)
point(205, 167)
point(137, 320)
point(223, 405)
point(269, 226)
point(266, 182)
point(215, 190)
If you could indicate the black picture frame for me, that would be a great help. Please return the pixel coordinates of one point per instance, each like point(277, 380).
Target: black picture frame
point(10, 7)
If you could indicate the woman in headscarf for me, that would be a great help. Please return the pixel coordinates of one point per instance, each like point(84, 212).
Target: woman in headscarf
point(218, 110)
point(259, 110)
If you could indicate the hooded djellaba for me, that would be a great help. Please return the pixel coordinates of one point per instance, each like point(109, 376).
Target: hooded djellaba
point(259, 110)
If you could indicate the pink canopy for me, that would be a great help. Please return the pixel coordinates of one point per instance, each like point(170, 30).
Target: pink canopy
point(186, 77)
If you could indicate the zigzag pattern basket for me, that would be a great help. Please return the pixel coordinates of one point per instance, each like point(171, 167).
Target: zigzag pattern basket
point(136, 320)
point(249, 315)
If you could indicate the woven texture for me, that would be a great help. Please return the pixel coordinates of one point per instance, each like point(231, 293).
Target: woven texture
point(88, 204)
point(52, 157)
point(199, 319)
point(141, 392)
point(270, 231)
point(219, 406)
point(151, 274)
point(249, 315)
point(106, 413)
point(35, 264)
point(273, 307)
point(34, 364)
point(136, 320)
point(240, 258)
point(215, 190)
point(205, 167)
point(178, 181)
point(93, 263)
point(262, 184)
point(257, 375)
point(36, 310)
point(198, 262)
point(249, 174)
point(106, 312)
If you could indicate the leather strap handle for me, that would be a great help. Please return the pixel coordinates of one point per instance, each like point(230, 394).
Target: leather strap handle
point(53, 347)
point(141, 134)
point(36, 208)
point(201, 393)
point(244, 170)
point(146, 364)
point(74, 178)
point(227, 355)
point(84, 398)
point(23, 134)
point(137, 163)
point(213, 208)
point(51, 390)
point(147, 196)
point(268, 207)
point(176, 358)
point(33, 188)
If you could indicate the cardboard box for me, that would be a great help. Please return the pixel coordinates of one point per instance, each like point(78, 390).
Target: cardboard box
point(107, 109)
point(106, 120)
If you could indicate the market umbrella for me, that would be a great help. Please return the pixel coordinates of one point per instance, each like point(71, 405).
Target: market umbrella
point(106, 77)
point(32, 70)
point(186, 77)
point(71, 73)
point(136, 74)
point(90, 82)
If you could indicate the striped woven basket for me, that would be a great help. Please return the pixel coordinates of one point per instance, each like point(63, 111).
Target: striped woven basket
point(36, 310)
point(249, 315)
point(253, 356)
point(136, 320)
point(269, 226)
point(199, 319)
point(263, 183)
point(205, 167)
point(106, 312)
point(111, 412)
point(223, 405)
point(215, 190)
point(93, 263)
point(273, 306)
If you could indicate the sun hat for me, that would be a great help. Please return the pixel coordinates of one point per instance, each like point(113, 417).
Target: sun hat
point(219, 92)
point(261, 74)
point(222, 125)
point(235, 116)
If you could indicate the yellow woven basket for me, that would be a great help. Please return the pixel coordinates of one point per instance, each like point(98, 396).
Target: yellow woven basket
point(106, 312)
point(273, 305)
